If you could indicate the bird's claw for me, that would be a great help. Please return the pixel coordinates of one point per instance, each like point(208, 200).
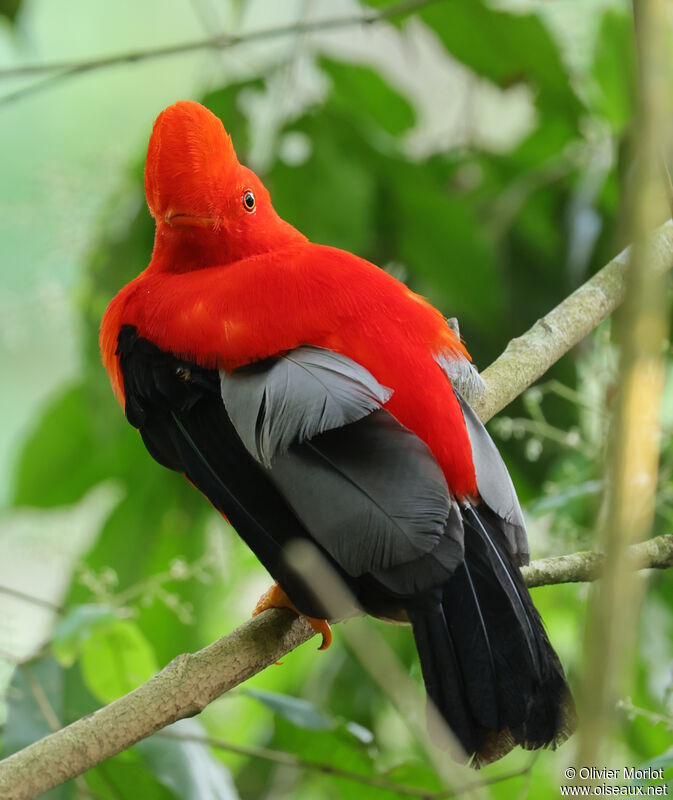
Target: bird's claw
point(275, 597)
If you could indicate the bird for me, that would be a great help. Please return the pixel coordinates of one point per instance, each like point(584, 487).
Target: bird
point(312, 397)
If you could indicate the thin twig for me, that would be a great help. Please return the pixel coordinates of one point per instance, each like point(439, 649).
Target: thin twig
point(656, 553)
point(668, 182)
point(30, 598)
point(61, 70)
point(41, 700)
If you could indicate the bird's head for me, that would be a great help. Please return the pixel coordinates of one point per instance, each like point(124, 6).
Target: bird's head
point(203, 200)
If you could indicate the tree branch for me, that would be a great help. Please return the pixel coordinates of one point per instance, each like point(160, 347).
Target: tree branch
point(586, 566)
point(57, 71)
point(191, 681)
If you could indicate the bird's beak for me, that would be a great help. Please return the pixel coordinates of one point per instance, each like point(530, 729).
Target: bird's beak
point(178, 219)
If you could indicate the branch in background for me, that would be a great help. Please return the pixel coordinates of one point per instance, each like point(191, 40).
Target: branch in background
point(654, 553)
point(190, 682)
point(57, 71)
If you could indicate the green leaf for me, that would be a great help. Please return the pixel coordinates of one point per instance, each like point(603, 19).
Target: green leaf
point(75, 627)
point(505, 47)
point(116, 659)
point(188, 768)
point(614, 69)
point(51, 469)
point(9, 9)
point(363, 94)
point(332, 747)
point(440, 240)
point(296, 710)
point(331, 197)
point(416, 774)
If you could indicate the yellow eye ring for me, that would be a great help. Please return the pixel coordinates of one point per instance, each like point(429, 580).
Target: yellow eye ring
point(248, 200)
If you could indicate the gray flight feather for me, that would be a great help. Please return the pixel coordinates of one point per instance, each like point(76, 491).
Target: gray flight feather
point(494, 483)
point(462, 373)
point(370, 493)
point(296, 396)
point(431, 569)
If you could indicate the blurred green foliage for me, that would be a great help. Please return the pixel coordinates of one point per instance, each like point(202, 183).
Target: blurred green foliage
point(9, 8)
point(494, 238)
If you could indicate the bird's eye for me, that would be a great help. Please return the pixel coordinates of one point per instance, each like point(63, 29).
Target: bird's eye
point(249, 201)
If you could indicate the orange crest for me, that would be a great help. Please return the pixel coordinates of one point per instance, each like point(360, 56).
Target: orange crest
point(189, 160)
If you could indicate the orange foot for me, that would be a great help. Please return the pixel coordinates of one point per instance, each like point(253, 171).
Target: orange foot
point(275, 597)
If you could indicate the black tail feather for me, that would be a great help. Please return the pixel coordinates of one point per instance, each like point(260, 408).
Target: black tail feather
point(443, 678)
point(503, 570)
point(507, 684)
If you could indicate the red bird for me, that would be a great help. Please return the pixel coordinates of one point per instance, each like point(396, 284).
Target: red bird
point(310, 395)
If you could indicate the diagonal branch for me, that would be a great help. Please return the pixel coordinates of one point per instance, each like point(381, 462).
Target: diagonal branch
point(192, 681)
point(57, 71)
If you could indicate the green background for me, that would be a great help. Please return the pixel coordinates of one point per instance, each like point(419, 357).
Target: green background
point(478, 151)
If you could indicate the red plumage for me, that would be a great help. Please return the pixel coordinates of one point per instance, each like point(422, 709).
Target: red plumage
point(267, 289)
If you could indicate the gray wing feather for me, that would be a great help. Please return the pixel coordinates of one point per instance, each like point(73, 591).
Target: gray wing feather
point(494, 483)
point(464, 376)
point(371, 493)
point(432, 568)
point(297, 396)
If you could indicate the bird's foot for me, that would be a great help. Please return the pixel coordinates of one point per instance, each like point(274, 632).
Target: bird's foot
point(275, 597)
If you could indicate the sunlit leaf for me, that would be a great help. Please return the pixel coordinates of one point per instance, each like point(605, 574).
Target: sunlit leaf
point(116, 658)
point(39, 550)
point(75, 627)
